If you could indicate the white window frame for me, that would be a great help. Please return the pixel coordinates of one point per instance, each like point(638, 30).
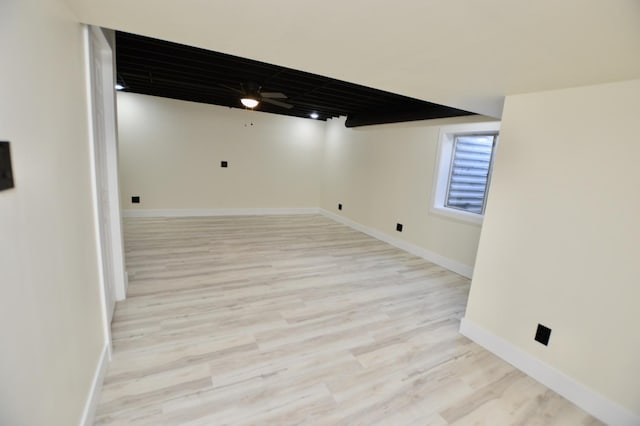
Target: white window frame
point(442, 168)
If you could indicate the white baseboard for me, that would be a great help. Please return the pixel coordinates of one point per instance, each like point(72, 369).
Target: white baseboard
point(586, 398)
point(445, 262)
point(89, 411)
point(217, 212)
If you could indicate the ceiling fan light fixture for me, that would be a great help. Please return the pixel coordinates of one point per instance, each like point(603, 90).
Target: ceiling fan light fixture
point(249, 102)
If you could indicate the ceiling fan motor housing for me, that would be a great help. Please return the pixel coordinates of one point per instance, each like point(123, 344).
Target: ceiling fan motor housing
point(251, 90)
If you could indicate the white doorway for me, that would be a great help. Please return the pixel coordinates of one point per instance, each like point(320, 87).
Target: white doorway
point(105, 167)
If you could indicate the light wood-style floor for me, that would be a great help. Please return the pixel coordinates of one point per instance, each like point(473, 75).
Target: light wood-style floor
point(282, 320)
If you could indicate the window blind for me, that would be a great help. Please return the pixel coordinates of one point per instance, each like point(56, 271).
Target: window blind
point(471, 164)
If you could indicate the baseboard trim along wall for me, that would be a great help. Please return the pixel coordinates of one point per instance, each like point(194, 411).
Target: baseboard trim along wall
point(91, 404)
point(217, 212)
point(445, 262)
point(450, 264)
point(592, 402)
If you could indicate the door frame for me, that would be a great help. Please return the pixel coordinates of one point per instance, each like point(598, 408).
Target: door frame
point(104, 170)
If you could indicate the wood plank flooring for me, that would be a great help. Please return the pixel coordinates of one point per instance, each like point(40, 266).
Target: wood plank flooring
point(281, 320)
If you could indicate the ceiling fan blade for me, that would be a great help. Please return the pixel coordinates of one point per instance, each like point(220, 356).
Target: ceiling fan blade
point(233, 89)
point(278, 103)
point(273, 95)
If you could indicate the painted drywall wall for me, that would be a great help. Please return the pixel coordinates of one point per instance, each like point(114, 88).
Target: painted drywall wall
point(559, 243)
point(171, 151)
point(50, 323)
point(383, 175)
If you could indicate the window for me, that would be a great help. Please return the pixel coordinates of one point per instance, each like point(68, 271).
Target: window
point(469, 172)
point(463, 171)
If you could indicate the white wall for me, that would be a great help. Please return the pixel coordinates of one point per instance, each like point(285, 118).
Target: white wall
point(170, 154)
point(560, 241)
point(50, 323)
point(383, 175)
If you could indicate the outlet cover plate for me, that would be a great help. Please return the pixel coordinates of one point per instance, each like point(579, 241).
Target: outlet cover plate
point(543, 334)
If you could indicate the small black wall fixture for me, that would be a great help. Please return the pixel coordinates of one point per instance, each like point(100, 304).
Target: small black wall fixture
point(6, 172)
point(543, 334)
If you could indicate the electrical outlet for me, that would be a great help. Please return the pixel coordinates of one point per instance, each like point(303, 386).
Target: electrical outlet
point(223, 164)
point(543, 334)
point(339, 206)
point(135, 199)
point(399, 227)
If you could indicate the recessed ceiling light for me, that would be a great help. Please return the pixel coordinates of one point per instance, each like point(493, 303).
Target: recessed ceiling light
point(314, 115)
point(249, 102)
point(119, 86)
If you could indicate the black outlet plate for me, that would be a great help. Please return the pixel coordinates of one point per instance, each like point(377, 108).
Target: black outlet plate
point(135, 199)
point(6, 172)
point(399, 227)
point(224, 164)
point(543, 334)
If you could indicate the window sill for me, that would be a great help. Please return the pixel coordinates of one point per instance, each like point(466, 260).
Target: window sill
point(458, 215)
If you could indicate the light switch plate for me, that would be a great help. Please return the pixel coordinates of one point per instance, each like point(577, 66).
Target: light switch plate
point(6, 171)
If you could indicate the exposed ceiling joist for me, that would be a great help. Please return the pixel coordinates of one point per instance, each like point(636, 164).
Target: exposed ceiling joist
point(160, 68)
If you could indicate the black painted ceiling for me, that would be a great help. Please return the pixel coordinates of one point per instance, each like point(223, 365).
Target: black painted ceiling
point(160, 68)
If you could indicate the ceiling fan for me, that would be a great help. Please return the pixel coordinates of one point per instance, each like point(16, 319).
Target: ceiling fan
point(251, 95)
